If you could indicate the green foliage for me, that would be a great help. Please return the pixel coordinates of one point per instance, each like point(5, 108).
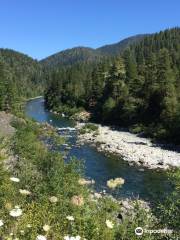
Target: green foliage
point(108, 107)
point(168, 210)
point(20, 78)
point(70, 57)
point(89, 127)
point(137, 128)
point(73, 92)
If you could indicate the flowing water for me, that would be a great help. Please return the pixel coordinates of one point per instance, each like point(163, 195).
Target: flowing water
point(146, 184)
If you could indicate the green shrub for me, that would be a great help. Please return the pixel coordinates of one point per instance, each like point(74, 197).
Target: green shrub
point(168, 211)
point(137, 128)
point(89, 127)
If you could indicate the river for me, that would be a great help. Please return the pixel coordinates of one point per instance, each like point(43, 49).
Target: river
point(147, 184)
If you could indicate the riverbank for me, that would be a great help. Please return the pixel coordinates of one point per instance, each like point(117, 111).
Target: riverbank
point(130, 147)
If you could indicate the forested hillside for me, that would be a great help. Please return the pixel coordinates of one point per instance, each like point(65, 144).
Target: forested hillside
point(20, 77)
point(87, 55)
point(71, 56)
point(138, 89)
point(117, 48)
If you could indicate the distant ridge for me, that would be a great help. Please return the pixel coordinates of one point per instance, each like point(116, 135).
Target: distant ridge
point(86, 54)
point(71, 56)
point(117, 48)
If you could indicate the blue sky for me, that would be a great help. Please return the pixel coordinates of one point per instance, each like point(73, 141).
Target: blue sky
point(42, 27)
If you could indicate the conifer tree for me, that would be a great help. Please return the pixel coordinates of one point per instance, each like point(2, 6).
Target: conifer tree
point(166, 82)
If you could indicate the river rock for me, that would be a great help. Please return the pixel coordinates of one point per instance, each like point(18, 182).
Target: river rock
point(132, 148)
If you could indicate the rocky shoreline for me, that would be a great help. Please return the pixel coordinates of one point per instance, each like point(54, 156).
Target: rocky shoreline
point(130, 147)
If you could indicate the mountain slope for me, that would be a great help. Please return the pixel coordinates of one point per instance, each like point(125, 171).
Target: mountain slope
point(71, 56)
point(20, 77)
point(25, 71)
point(117, 48)
point(88, 55)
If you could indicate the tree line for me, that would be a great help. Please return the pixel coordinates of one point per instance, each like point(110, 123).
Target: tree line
point(21, 77)
point(139, 89)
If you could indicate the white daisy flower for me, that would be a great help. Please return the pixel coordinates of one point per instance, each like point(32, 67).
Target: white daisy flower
point(41, 237)
point(16, 212)
point(1, 223)
point(109, 224)
point(70, 218)
point(66, 238)
point(46, 228)
point(77, 238)
point(14, 179)
point(24, 192)
point(72, 238)
point(53, 199)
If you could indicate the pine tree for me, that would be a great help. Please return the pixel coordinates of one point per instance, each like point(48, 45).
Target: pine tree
point(99, 79)
point(130, 65)
point(166, 81)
